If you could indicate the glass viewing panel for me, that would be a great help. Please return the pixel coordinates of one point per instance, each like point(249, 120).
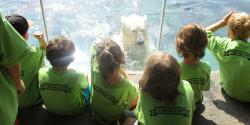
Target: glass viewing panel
point(86, 21)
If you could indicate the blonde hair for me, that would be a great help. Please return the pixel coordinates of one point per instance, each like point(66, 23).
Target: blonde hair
point(110, 56)
point(239, 24)
point(161, 77)
point(191, 40)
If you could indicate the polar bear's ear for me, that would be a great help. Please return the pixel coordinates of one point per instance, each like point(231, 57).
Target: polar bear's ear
point(144, 17)
point(123, 18)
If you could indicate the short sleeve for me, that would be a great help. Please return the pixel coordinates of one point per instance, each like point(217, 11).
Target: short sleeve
point(40, 53)
point(12, 46)
point(133, 95)
point(217, 45)
point(215, 42)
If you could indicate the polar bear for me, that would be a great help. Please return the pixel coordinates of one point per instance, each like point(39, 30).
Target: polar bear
point(135, 40)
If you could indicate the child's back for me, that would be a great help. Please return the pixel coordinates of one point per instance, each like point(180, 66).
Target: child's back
point(191, 42)
point(153, 112)
point(198, 75)
point(64, 91)
point(111, 101)
point(111, 97)
point(233, 54)
point(164, 98)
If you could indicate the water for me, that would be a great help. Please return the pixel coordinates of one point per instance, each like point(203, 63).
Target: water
point(84, 21)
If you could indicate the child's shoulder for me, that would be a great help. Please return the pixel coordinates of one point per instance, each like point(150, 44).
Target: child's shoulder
point(35, 49)
point(76, 72)
point(205, 63)
point(129, 84)
point(184, 85)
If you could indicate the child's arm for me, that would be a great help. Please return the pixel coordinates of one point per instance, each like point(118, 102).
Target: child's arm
point(39, 36)
point(14, 73)
point(133, 103)
point(220, 24)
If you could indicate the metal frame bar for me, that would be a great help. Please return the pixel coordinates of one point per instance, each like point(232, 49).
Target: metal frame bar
point(44, 21)
point(161, 24)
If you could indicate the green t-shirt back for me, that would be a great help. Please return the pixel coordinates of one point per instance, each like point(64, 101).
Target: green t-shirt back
point(30, 65)
point(63, 91)
point(153, 112)
point(12, 49)
point(198, 75)
point(109, 102)
point(233, 57)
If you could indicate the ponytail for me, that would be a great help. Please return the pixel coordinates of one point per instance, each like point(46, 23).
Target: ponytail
point(109, 57)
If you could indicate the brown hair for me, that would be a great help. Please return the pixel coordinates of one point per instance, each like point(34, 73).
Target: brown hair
point(191, 40)
point(239, 24)
point(109, 56)
point(161, 77)
point(19, 22)
point(60, 52)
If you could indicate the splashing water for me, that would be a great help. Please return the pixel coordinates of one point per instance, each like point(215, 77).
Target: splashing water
point(84, 21)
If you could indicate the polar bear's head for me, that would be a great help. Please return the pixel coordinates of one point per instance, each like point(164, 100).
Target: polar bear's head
point(134, 30)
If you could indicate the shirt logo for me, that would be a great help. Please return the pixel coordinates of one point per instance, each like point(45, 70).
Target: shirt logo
point(57, 87)
point(237, 53)
point(169, 111)
point(110, 97)
point(200, 81)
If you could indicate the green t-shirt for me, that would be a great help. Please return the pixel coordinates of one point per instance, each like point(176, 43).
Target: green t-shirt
point(12, 48)
point(198, 75)
point(30, 65)
point(109, 102)
point(64, 92)
point(233, 57)
point(153, 112)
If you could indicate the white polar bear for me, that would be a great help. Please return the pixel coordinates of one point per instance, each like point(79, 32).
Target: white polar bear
point(135, 40)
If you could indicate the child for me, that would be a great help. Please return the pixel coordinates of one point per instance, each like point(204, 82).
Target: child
point(191, 42)
point(233, 54)
point(113, 92)
point(11, 52)
point(30, 63)
point(64, 91)
point(164, 98)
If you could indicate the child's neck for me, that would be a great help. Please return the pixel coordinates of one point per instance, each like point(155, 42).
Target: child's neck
point(190, 60)
point(114, 78)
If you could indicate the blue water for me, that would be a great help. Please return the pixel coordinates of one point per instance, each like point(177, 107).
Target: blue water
point(84, 21)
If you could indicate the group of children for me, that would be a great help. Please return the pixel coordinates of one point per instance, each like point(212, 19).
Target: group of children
point(169, 91)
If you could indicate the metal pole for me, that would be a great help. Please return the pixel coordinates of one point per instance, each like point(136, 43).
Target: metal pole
point(44, 21)
point(161, 24)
